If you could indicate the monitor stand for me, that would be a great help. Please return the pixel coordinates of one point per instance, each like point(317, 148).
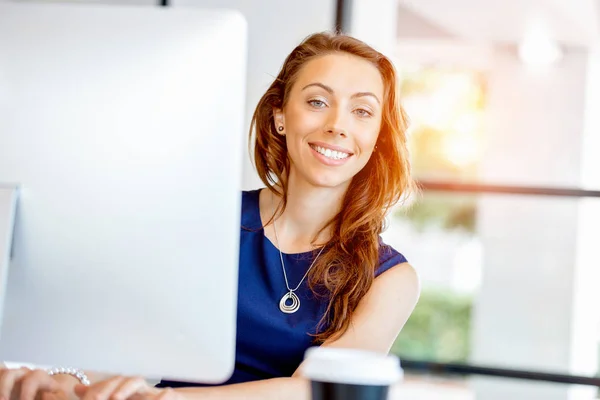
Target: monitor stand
point(8, 205)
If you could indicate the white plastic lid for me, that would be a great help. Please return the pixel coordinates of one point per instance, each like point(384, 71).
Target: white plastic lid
point(351, 366)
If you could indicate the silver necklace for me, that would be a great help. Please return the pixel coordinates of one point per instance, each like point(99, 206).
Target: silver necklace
point(290, 295)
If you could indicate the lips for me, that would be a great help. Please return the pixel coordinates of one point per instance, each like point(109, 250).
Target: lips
point(331, 147)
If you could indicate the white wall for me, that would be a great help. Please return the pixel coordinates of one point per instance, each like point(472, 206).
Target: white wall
point(375, 23)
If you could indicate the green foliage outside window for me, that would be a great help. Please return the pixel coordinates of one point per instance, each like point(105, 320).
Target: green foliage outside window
point(438, 329)
point(444, 212)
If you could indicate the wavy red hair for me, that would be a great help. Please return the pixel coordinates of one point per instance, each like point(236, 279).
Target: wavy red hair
point(346, 268)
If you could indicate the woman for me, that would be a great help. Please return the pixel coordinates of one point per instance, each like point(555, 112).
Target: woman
point(330, 147)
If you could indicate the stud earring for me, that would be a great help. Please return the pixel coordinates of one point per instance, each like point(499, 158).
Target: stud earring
point(280, 128)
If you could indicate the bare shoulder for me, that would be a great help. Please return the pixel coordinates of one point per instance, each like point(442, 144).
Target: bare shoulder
point(402, 275)
point(404, 269)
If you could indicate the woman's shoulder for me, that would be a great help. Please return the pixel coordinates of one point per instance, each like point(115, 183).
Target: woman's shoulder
point(388, 257)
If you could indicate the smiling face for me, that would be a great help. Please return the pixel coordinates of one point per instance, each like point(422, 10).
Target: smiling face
point(331, 119)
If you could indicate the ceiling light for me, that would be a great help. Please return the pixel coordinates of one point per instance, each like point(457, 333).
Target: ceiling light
point(538, 49)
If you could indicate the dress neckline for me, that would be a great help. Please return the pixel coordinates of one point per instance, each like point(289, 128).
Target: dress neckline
point(256, 207)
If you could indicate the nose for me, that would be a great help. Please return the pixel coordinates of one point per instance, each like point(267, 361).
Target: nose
point(335, 124)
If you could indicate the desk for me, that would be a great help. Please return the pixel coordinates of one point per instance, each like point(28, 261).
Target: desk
point(423, 391)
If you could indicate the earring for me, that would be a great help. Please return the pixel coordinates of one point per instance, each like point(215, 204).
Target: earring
point(280, 128)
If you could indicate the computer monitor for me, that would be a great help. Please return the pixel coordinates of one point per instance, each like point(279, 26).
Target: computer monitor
point(123, 128)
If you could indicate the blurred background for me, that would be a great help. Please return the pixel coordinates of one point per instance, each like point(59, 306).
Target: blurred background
point(504, 107)
point(503, 99)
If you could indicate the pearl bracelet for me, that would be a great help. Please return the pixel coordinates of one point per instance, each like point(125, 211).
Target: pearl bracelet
point(77, 373)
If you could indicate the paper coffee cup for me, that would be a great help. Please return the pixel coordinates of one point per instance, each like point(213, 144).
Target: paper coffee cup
point(350, 374)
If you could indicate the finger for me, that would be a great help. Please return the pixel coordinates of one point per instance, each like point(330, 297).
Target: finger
point(54, 395)
point(155, 394)
point(129, 387)
point(102, 390)
point(35, 381)
point(141, 396)
point(8, 379)
point(80, 389)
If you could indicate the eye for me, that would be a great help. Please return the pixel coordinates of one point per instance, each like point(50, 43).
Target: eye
point(361, 112)
point(317, 103)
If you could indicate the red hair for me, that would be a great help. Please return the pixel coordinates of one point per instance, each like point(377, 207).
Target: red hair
point(346, 269)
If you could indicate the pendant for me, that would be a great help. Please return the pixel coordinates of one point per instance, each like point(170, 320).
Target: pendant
point(292, 308)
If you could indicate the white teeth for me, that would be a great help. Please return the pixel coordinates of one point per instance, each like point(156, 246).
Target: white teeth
point(333, 154)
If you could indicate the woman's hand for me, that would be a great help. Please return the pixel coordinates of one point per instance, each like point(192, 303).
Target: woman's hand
point(121, 388)
point(27, 384)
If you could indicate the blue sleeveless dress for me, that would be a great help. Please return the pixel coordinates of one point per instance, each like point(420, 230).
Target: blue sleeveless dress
point(270, 343)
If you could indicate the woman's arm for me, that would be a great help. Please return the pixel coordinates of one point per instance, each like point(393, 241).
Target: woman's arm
point(296, 388)
point(121, 388)
point(382, 313)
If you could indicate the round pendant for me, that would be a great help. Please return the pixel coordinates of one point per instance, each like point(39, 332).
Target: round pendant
point(292, 308)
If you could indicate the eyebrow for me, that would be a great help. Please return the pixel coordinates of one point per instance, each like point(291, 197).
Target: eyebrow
point(330, 91)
